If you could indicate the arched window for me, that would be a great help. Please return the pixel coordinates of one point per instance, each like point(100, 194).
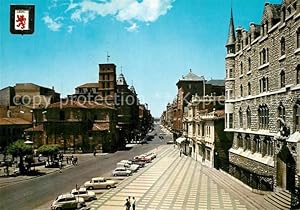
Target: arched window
point(241, 89)
point(282, 46)
point(263, 117)
point(241, 117)
point(297, 116)
point(230, 73)
point(281, 111)
point(282, 79)
point(249, 64)
point(240, 141)
point(298, 74)
point(241, 66)
point(248, 118)
point(298, 38)
point(249, 88)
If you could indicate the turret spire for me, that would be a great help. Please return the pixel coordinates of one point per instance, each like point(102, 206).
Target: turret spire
point(231, 33)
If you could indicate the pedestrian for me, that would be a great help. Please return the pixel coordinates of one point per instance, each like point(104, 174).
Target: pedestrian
point(127, 204)
point(67, 158)
point(72, 160)
point(94, 153)
point(60, 166)
point(180, 152)
point(133, 203)
point(75, 160)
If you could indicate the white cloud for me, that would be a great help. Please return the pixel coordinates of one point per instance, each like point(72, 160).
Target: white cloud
point(123, 10)
point(131, 11)
point(132, 28)
point(53, 24)
point(70, 29)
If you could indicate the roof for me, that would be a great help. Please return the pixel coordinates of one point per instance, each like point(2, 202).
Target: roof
point(89, 85)
point(80, 104)
point(100, 126)
point(192, 77)
point(121, 80)
point(14, 121)
point(216, 82)
point(231, 33)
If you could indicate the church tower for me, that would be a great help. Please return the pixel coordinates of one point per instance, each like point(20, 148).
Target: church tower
point(107, 82)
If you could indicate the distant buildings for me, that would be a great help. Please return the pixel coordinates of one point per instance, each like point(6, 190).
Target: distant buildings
point(101, 116)
point(262, 108)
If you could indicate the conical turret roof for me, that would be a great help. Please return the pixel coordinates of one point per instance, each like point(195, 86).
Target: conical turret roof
point(231, 33)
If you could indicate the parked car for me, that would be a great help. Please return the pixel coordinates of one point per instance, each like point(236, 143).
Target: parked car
point(139, 162)
point(99, 182)
point(121, 171)
point(67, 201)
point(143, 158)
point(84, 193)
point(151, 155)
point(131, 167)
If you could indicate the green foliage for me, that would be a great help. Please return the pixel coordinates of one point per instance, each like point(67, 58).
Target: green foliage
point(48, 150)
point(19, 148)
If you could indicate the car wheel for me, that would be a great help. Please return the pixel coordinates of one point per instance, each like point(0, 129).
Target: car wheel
point(90, 188)
point(108, 187)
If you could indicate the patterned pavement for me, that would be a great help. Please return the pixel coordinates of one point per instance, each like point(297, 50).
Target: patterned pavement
point(170, 182)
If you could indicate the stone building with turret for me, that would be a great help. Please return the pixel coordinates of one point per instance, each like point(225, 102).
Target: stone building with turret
point(262, 107)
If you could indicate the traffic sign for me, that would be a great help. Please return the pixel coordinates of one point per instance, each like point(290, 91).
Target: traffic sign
point(22, 19)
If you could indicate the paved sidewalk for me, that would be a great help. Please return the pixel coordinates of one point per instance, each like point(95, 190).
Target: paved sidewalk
point(42, 170)
point(173, 182)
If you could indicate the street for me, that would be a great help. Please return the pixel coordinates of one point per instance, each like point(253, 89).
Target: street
point(36, 192)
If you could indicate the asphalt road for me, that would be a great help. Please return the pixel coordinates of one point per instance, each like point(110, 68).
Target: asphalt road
point(38, 191)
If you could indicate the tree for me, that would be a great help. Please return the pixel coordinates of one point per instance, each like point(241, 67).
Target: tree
point(49, 150)
point(19, 148)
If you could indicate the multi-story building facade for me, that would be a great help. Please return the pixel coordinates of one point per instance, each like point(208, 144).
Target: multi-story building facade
point(190, 85)
point(76, 125)
point(262, 97)
point(204, 137)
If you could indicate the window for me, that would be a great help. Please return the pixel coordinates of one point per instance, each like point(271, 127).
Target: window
point(264, 84)
point(241, 89)
point(249, 89)
point(282, 78)
point(62, 115)
point(240, 141)
point(298, 74)
point(241, 117)
point(281, 111)
point(249, 64)
point(248, 118)
point(247, 142)
point(263, 117)
point(263, 56)
point(231, 120)
point(297, 116)
point(282, 46)
point(298, 38)
point(241, 66)
point(230, 73)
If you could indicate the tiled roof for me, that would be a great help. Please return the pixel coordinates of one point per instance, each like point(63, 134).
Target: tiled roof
point(100, 126)
point(89, 85)
point(14, 121)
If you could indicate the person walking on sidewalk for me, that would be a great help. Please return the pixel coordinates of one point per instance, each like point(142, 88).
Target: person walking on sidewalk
point(180, 152)
point(127, 204)
point(133, 203)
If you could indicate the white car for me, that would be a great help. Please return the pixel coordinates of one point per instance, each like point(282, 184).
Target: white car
point(84, 193)
point(99, 182)
point(151, 155)
point(121, 171)
point(67, 201)
point(131, 167)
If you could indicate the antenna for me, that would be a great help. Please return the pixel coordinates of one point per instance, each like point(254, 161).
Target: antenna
point(121, 69)
point(107, 57)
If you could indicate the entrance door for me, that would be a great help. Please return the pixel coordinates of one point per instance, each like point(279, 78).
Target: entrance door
point(286, 166)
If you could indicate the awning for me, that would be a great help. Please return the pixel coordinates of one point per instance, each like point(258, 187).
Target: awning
point(180, 140)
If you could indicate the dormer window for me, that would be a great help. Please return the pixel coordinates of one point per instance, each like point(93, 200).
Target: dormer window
point(282, 46)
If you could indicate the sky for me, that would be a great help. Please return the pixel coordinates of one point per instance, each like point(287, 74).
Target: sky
point(154, 42)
